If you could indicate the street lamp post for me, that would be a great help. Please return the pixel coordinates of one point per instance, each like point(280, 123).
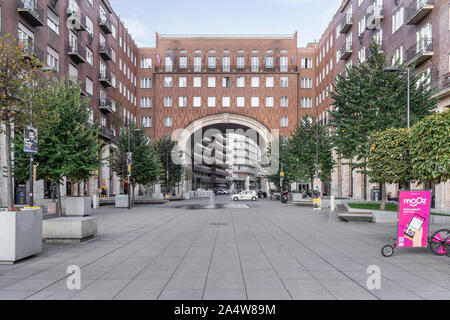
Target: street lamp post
point(408, 73)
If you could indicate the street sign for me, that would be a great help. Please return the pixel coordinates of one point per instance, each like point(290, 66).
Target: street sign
point(282, 174)
point(129, 158)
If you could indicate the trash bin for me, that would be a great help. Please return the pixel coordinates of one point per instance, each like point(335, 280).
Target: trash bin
point(375, 194)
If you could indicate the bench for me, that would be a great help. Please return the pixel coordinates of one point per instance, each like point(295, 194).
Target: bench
point(69, 229)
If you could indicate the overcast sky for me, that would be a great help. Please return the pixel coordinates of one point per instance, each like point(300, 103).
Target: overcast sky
point(143, 17)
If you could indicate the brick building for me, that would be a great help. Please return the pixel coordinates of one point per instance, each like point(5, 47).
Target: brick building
point(97, 51)
point(408, 31)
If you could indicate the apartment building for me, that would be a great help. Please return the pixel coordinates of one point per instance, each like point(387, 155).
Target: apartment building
point(407, 31)
point(96, 51)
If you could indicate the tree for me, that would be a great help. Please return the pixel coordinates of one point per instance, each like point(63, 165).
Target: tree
point(301, 151)
point(389, 158)
point(367, 99)
point(172, 173)
point(283, 165)
point(19, 78)
point(68, 143)
point(146, 167)
point(430, 152)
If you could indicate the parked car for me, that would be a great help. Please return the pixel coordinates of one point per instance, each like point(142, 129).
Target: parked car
point(308, 194)
point(261, 194)
point(245, 195)
point(221, 191)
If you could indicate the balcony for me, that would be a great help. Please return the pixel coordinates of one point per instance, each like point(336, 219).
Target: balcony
point(105, 52)
point(76, 52)
point(105, 25)
point(31, 50)
point(106, 133)
point(231, 69)
point(443, 86)
point(346, 23)
point(106, 105)
point(105, 79)
point(31, 12)
point(373, 19)
point(345, 51)
point(420, 52)
point(418, 10)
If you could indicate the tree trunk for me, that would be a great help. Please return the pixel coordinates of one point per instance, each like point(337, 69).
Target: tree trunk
point(9, 179)
point(383, 196)
point(351, 179)
point(132, 196)
point(59, 202)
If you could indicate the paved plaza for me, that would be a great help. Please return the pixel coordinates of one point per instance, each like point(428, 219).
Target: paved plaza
point(268, 251)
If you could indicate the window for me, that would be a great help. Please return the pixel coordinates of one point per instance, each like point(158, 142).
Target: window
point(167, 101)
point(167, 82)
point(361, 25)
point(73, 73)
point(269, 102)
point(397, 56)
point(197, 64)
point(255, 64)
point(89, 86)
point(284, 64)
point(146, 63)
point(226, 102)
point(255, 82)
point(53, 21)
point(240, 102)
point(182, 102)
point(306, 83)
point(306, 102)
point(211, 102)
point(306, 63)
point(52, 59)
point(226, 82)
point(241, 62)
point(284, 82)
point(284, 122)
point(211, 62)
point(240, 82)
point(211, 82)
point(269, 82)
point(168, 121)
point(362, 55)
point(168, 62)
point(197, 82)
point(255, 101)
point(425, 78)
point(146, 102)
point(146, 122)
point(183, 62)
point(269, 62)
point(284, 103)
point(398, 18)
point(182, 82)
point(197, 102)
point(226, 64)
point(146, 83)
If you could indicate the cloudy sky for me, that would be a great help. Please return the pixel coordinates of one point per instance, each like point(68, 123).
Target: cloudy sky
point(144, 17)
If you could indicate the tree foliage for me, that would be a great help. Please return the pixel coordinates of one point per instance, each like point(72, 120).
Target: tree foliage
point(367, 99)
point(165, 146)
point(301, 151)
point(389, 158)
point(277, 155)
point(430, 148)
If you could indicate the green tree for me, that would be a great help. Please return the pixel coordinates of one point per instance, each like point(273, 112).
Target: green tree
point(172, 173)
point(301, 151)
point(20, 74)
point(146, 167)
point(68, 143)
point(278, 154)
point(367, 99)
point(389, 158)
point(430, 151)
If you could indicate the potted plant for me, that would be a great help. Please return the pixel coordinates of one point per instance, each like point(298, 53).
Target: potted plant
point(20, 233)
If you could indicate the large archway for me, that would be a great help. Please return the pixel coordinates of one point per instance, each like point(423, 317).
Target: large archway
point(223, 123)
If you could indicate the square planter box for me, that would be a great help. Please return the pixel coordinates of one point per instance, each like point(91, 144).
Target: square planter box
point(121, 201)
point(78, 206)
point(20, 234)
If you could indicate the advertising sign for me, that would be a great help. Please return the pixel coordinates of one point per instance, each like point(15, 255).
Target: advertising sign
point(30, 143)
point(413, 218)
point(317, 204)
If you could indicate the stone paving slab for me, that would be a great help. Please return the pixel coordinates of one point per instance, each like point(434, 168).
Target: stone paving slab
point(270, 251)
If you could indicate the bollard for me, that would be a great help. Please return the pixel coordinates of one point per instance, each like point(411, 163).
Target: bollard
point(95, 201)
point(332, 206)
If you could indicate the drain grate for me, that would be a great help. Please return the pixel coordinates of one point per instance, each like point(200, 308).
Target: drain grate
point(220, 224)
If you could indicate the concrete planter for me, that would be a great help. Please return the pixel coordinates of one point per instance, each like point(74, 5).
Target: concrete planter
point(78, 206)
point(121, 201)
point(20, 234)
point(69, 229)
point(297, 197)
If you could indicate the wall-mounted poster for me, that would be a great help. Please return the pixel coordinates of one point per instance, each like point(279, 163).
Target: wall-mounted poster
point(413, 219)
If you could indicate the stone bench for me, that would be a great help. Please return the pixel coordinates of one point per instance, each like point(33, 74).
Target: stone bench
point(356, 216)
point(69, 229)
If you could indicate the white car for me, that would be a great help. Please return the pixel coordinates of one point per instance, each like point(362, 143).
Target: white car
point(245, 195)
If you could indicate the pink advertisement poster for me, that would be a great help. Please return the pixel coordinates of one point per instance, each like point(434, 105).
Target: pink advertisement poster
point(413, 218)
